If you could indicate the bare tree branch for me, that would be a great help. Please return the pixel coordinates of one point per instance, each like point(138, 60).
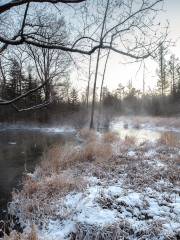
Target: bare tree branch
point(8, 102)
point(39, 106)
point(14, 3)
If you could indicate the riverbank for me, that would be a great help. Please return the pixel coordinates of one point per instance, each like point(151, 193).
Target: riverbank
point(160, 124)
point(104, 188)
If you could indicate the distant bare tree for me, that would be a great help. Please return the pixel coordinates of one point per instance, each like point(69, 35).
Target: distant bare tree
point(51, 65)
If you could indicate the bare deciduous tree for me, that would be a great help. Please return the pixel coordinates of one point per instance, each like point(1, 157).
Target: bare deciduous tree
point(51, 65)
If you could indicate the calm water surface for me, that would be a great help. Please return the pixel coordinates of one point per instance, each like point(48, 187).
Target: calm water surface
point(20, 151)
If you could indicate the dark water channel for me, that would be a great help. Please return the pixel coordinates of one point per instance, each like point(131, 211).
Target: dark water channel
point(20, 151)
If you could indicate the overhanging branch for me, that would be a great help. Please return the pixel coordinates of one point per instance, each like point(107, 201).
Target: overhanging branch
point(35, 107)
point(14, 3)
point(8, 102)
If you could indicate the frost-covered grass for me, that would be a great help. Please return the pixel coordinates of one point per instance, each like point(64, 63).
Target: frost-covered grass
point(106, 188)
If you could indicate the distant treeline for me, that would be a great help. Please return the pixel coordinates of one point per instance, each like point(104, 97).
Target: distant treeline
point(164, 100)
point(66, 104)
point(154, 105)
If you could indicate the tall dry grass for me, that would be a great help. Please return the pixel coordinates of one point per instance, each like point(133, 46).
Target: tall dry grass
point(88, 134)
point(59, 158)
point(110, 137)
point(97, 151)
point(168, 138)
point(52, 185)
point(129, 141)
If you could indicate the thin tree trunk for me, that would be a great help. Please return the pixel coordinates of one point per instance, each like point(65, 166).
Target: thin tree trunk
point(162, 70)
point(173, 78)
point(101, 90)
point(97, 67)
point(144, 80)
point(89, 80)
point(103, 77)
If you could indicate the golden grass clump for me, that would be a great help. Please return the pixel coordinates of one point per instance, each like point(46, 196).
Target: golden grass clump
point(30, 186)
point(33, 234)
point(58, 158)
point(71, 158)
point(88, 134)
point(110, 137)
point(129, 140)
point(169, 139)
point(55, 184)
point(61, 184)
point(51, 159)
point(97, 151)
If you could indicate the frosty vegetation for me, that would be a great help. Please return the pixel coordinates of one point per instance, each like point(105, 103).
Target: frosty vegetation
point(105, 187)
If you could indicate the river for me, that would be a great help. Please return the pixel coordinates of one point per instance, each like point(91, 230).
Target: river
point(21, 149)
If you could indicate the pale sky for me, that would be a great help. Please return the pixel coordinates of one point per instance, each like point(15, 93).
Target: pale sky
point(119, 72)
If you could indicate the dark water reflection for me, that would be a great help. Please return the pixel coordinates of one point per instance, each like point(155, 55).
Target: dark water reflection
point(20, 151)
